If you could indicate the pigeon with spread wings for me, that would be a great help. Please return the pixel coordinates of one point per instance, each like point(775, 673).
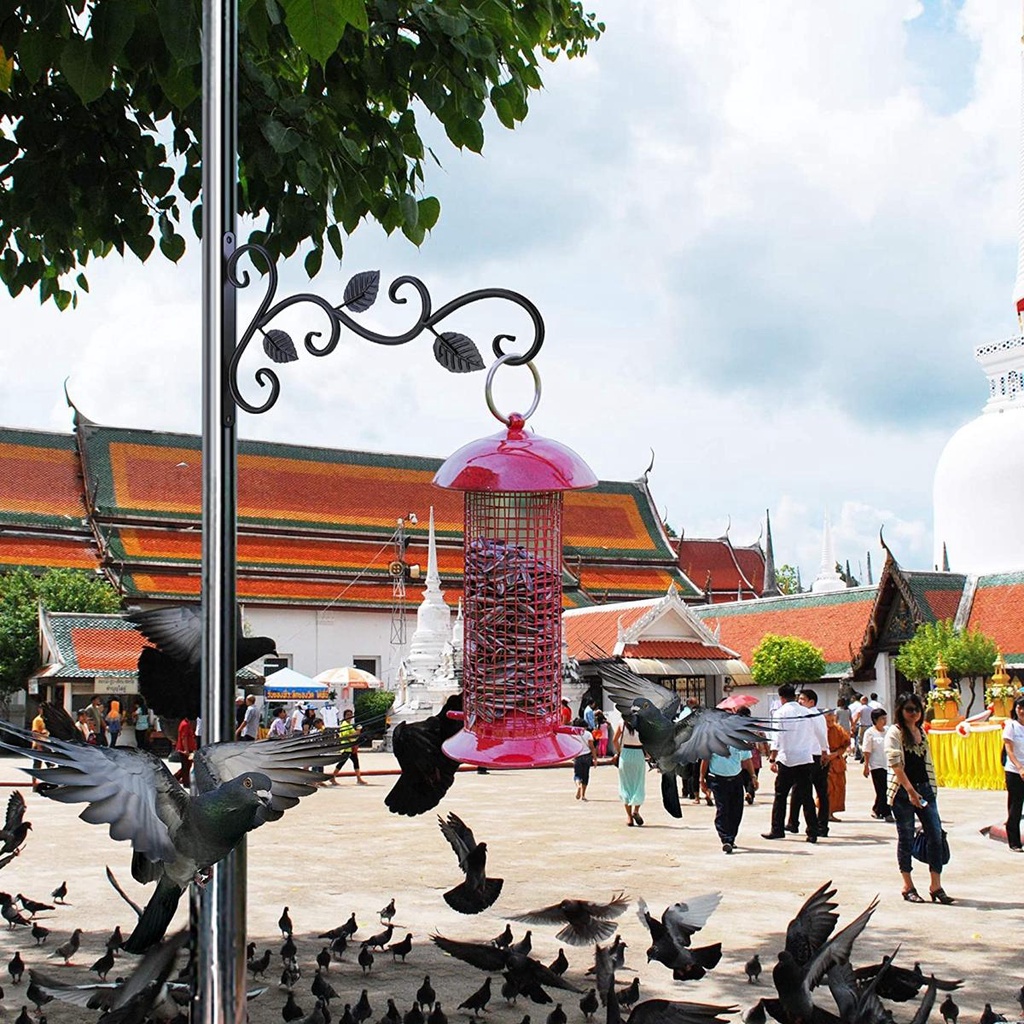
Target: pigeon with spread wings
point(169, 670)
point(584, 921)
point(176, 837)
point(478, 891)
point(671, 936)
point(671, 743)
point(427, 771)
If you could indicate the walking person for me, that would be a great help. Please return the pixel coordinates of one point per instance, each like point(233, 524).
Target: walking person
point(601, 734)
point(808, 699)
point(834, 764)
point(142, 725)
point(39, 736)
point(724, 774)
point(582, 764)
point(99, 725)
point(185, 747)
point(913, 795)
point(629, 756)
point(249, 728)
point(348, 737)
point(875, 764)
point(113, 721)
point(791, 756)
point(1013, 746)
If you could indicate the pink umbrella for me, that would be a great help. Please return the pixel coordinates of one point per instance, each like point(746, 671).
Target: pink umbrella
point(737, 701)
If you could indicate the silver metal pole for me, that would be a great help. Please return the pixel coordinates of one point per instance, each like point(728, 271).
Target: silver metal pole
point(221, 925)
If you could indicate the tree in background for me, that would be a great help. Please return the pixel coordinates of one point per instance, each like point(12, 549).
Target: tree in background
point(919, 655)
point(21, 594)
point(788, 579)
point(100, 118)
point(786, 659)
point(971, 655)
point(370, 712)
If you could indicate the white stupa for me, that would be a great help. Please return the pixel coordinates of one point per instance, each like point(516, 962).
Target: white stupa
point(827, 580)
point(431, 642)
point(978, 499)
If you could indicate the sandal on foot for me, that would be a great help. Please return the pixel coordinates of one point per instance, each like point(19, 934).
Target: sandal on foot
point(940, 896)
point(913, 896)
point(638, 819)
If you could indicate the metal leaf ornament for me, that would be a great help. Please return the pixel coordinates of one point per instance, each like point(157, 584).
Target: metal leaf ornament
point(361, 291)
point(457, 353)
point(279, 347)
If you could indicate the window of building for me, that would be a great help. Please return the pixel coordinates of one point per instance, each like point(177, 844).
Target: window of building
point(274, 663)
point(366, 664)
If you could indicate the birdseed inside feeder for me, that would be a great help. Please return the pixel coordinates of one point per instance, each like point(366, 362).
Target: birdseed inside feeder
point(513, 483)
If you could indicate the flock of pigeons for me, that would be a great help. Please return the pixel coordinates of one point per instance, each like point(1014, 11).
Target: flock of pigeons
point(178, 835)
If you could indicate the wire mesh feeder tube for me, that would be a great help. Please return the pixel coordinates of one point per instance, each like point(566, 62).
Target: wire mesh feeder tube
point(512, 579)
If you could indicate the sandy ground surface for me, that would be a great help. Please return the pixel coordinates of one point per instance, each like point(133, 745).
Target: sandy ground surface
point(341, 850)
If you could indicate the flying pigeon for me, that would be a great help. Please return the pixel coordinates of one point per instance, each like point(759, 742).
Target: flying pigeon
point(674, 744)
point(478, 891)
point(169, 670)
point(585, 922)
point(177, 837)
point(427, 772)
point(15, 830)
point(671, 936)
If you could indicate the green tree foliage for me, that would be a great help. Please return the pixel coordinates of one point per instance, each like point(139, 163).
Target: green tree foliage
point(371, 707)
point(788, 579)
point(971, 655)
point(786, 659)
point(917, 657)
point(58, 590)
point(100, 118)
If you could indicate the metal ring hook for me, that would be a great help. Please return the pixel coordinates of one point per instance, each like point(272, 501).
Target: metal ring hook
point(490, 397)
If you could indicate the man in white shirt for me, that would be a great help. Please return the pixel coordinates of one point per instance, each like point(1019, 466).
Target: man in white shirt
point(295, 722)
point(863, 721)
point(819, 773)
point(329, 713)
point(791, 756)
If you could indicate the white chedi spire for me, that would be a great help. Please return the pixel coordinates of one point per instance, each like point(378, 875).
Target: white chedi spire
point(433, 621)
point(1018, 284)
point(827, 579)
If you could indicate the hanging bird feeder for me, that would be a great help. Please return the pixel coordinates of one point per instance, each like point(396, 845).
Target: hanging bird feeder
point(512, 642)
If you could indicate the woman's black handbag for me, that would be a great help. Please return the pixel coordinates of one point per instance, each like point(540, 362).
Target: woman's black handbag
point(919, 850)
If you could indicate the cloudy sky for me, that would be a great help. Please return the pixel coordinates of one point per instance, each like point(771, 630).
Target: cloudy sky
point(765, 238)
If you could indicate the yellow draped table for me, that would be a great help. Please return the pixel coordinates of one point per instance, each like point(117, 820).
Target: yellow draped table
point(968, 761)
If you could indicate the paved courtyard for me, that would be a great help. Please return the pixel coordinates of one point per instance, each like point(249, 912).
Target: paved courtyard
point(341, 850)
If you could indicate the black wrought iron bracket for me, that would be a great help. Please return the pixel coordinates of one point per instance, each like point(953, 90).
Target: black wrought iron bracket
point(455, 352)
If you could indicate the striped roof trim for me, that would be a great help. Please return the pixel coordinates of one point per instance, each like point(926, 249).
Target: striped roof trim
point(30, 551)
point(670, 650)
point(834, 622)
point(624, 582)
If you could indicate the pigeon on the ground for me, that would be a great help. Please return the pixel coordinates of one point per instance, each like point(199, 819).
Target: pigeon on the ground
point(414, 1015)
point(524, 945)
point(753, 969)
point(169, 670)
point(504, 939)
point(344, 931)
point(671, 936)
point(23, 1017)
point(380, 940)
point(290, 975)
point(478, 891)
point(425, 994)
point(362, 1010)
point(338, 947)
point(675, 745)
point(289, 949)
point(584, 921)
point(39, 933)
point(630, 994)
point(557, 1015)
point(59, 895)
point(32, 906)
point(284, 922)
point(103, 965)
point(427, 772)
point(989, 1016)
point(322, 988)
point(16, 828)
point(666, 1011)
point(291, 1009)
point(176, 837)
point(391, 1014)
point(437, 1015)
point(68, 949)
point(365, 958)
point(387, 914)
point(479, 999)
point(115, 941)
point(35, 994)
point(949, 1010)
point(259, 965)
point(589, 1004)
point(323, 959)
point(10, 912)
point(401, 948)
point(560, 964)
point(16, 968)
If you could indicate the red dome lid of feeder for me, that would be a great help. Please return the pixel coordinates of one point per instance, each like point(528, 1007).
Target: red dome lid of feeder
point(515, 460)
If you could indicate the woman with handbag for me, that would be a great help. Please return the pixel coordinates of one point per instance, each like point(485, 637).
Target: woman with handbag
point(912, 796)
point(1013, 763)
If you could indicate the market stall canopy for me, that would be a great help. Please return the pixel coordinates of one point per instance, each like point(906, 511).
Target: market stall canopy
point(287, 684)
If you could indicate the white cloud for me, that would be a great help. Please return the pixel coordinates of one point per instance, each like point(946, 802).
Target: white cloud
point(760, 246)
